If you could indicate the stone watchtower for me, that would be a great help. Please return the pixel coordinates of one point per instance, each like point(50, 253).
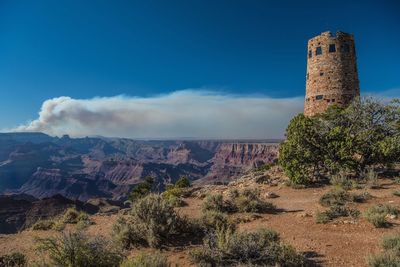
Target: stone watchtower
point(332, 76)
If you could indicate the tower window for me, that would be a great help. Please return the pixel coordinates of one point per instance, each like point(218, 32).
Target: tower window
point(319, 97)
point(332, 48)
point(318, 51)
point(309, 54)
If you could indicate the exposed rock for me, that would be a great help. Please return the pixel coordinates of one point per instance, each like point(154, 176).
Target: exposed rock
point(271, 195)
point(17, 214)
point(84, 168)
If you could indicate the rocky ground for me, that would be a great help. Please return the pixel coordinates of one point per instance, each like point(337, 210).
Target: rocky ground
point(343, 242)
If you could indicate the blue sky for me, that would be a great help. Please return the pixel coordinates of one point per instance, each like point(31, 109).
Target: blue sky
point(84, 49)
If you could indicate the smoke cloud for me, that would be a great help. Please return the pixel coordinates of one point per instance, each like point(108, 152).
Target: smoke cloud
point(187, 113)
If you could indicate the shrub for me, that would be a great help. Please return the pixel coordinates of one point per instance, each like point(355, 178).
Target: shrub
point(264, 167)
point(43, 225)
point(146, 260)
point(397, 180)
point(142, 189)
point(342, 181)
point(217, 203)
point(377, 214)
point(249, 200)
point(335, 196)
point(152, 221)
point(212, 220)
point(70, 216)
point(173, 195)
point(391, 254)
point(227, 247)
point(360, 198)
point(391, 242)
point(183, 182)
point(14, 259)
point(387, 259)
point(334, 212)
point(396, 193)
point(371, 178)
point(75, 249)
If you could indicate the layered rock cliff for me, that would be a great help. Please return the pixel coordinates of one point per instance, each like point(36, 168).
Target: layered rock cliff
point(83, 168)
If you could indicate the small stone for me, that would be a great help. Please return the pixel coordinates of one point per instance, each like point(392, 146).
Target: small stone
point(271, 195)
point(391, 216)
point(304, 215)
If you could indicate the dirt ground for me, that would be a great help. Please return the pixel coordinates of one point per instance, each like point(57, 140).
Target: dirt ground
point(343, 242)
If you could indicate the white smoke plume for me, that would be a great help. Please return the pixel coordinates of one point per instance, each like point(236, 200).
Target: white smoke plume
point(187, 113)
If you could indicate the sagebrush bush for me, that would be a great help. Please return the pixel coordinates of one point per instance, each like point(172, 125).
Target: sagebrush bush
point(146, 260)
point(15, 259)
point(371, 178)
point(152, 221)
point(212, 220)
point(247, 200)
point(360, 198)
point(390, 256)
point(217, 203)
point(226, 247)
point(342, 180)
point(43, 225)
point(173, 195)
point(377, 214)
point(396, 193)
point(387, 259)
point(334, 212)
point(391, 242)
point(74, 249)
point(336, 196)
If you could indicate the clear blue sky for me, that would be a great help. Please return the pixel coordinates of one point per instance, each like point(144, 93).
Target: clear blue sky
point(84, 49)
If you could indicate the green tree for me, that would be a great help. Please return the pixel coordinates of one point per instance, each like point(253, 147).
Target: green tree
point(363, 135)
point(183, 182)
point(142, 189)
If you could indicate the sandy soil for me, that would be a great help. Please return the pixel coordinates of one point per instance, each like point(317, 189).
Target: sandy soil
point(343, 242)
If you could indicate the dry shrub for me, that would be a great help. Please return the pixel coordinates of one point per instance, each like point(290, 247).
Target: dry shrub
point(15, 259)
point(227, 247)
point(152, 221)
point(146, 260)
point(76, 249)
point(390, 256)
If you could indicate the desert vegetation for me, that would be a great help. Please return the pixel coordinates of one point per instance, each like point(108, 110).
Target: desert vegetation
point(15, 259)
point(378, 214)
point(174, 192)
point(146, 260)
point(77, 249)
point(229, 247)
point(391, 254)
point(153, 222)
point(246, 200)
point(352, 140)
point(70, 216)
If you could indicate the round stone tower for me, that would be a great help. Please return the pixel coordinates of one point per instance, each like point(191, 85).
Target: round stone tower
point(332, 76)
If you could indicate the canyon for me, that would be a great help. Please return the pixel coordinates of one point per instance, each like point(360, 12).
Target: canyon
point(42, 166)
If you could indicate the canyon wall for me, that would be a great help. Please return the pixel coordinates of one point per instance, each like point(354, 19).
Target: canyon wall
point(84, 168)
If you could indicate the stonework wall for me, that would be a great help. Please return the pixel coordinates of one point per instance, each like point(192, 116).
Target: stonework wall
point(332, 76)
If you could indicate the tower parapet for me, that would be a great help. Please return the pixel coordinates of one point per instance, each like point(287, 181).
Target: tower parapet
point(332, 76)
